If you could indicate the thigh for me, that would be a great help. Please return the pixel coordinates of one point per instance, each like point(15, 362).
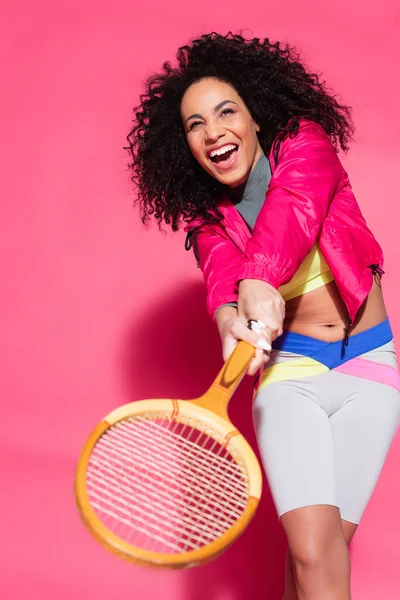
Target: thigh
point(349, 530)
point(363, 430)
point(296, 445)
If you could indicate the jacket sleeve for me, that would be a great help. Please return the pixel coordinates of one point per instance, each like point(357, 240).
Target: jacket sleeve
point(296, 203)
point(220, 261)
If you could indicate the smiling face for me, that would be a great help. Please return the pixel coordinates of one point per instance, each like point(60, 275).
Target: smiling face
point(220, 131)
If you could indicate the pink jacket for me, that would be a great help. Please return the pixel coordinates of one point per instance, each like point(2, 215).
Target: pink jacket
point(309, 199)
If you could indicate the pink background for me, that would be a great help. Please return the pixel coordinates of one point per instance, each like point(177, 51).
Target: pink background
point(96, 311)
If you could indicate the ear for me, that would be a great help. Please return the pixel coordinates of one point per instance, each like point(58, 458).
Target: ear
point(258, 129)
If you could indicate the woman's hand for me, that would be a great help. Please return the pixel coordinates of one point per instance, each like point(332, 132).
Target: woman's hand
point(233, 328)
point(259, 301)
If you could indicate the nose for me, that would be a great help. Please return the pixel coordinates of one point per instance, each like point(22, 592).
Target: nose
point(214, 132)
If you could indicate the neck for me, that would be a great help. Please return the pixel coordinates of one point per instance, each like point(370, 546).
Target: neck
point(236, 194)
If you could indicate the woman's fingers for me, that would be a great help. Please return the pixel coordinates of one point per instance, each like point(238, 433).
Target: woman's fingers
point(229, 343)
point(259, 339)
point(270, 321)
point(260, 359)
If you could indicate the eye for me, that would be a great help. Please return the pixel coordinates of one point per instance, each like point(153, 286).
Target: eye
point(227, 111)
point(194, 124)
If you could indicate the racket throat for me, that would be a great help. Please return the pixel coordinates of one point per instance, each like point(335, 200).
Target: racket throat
point(216, 399)
point(218, 396)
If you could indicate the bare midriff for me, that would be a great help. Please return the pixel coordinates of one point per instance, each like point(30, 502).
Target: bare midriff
point(322, 314)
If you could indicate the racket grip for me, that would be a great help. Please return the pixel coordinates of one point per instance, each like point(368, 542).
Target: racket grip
point(235, 367)
point(227, 380)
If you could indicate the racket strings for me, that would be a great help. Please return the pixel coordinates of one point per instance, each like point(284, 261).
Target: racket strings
point(190, 480)
point(173, 524)
point(165, 486)
point(129, 451)
point(178, 522)
point(182, 441)
point(194, 466)
point(213, 452)
point(146, 484)
point(214, 475)
point(140, 524)
point(134, 450)
point(191, 486)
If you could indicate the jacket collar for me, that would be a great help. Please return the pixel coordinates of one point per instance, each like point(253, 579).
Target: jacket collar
point(233, 222)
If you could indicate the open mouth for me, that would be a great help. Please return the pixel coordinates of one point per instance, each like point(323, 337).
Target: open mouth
point(224, 155)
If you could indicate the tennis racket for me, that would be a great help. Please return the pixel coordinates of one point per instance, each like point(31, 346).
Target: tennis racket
point(171, 483)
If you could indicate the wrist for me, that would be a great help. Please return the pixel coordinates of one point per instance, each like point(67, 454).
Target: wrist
point(224, 314)
point(260, 272)
point(256, 282)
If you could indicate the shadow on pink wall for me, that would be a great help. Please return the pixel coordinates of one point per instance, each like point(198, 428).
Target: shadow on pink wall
point(174, 351)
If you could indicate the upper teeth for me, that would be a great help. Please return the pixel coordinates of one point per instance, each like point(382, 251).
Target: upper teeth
point(222, 150)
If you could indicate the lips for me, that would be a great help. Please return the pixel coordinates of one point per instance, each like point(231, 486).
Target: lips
point(217, 155)
point(226, 160)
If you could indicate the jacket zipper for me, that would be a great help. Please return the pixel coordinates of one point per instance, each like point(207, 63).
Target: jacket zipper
point(376, 270)
point(191, 241)
point(346, 333)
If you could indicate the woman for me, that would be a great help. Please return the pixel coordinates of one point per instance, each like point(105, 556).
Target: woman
point(239, 142)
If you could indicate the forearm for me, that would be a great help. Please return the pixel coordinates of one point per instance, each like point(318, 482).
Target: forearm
point(220, 261)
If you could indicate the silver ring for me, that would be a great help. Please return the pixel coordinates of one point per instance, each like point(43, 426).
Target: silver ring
point(256, 325)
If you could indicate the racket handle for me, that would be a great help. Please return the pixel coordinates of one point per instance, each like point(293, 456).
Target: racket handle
point(235, 367)
point(227, 380)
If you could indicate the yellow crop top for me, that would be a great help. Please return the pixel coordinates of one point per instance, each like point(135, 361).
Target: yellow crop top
point(312, 274)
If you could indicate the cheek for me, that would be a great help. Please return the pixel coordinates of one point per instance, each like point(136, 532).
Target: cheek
point(251, 135)
point(195, 148)
point(250, 143)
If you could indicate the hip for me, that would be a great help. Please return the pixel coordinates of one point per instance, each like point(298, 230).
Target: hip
point(369, 355)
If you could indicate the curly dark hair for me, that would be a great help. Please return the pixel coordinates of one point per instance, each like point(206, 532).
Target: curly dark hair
point(274, 84)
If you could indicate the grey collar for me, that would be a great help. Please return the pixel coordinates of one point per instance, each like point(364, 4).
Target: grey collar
point(257, 176)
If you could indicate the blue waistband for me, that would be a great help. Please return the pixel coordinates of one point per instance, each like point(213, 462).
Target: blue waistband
point(333, 354)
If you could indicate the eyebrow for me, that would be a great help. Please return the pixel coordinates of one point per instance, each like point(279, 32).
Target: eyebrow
point(216, 109)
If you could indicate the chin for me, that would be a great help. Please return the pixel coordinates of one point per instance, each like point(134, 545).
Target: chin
point(233, 180)
point(230, 179)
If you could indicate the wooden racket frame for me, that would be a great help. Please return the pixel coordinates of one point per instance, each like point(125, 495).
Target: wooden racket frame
point(211, 408)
